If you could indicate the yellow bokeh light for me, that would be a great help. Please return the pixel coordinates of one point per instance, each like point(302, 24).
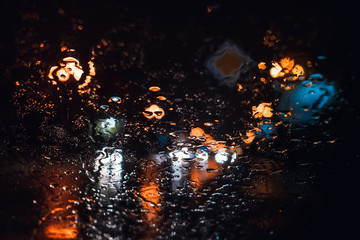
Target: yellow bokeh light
point(287, 63)
point(296, 72)
point(91, 68)
point(276, 70)
point(263, 110)
point(154, 111)
point(262, 65)
point(286, 66)
point(69, 67)
point(250, 136)
point(154, 88)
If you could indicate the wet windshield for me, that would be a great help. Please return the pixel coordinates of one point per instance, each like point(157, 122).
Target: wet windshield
point(175, 121)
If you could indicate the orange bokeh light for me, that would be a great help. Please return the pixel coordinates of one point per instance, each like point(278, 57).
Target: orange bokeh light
point(60, 231)
point(263, 110)
point(286, 67)
point(69, 67)
point(262, 65)
point(229, 62)
point(154, 111)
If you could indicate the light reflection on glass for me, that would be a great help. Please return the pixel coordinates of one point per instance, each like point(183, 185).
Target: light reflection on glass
point(105, 128)
point(263, 110)
point(92, 71)
point(69, 67)
point(115, 99)
point(154, 111)
point(249, 136)
point(108, 164)
point(296, 73)
point(227, 64)
point(266, 178)
point(262, 65)
point(203, 172)
point(106, 174)
point(209, 164)
point(200, 163)
point(177, 159)
point(306, 99)
point(150, 195)
point(207, 139)
point(276, 70)
point(154, 88)
point(221, 156)
point(202, 159)
point(266, 130)
point(287, 68)
point(270, 39)
point(202, 156)
point(61, 220)
point(59, 231)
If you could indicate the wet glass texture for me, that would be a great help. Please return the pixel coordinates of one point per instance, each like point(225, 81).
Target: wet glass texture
point(177, 121)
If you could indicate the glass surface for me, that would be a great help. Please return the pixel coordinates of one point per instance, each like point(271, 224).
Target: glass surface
point(176, 121)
